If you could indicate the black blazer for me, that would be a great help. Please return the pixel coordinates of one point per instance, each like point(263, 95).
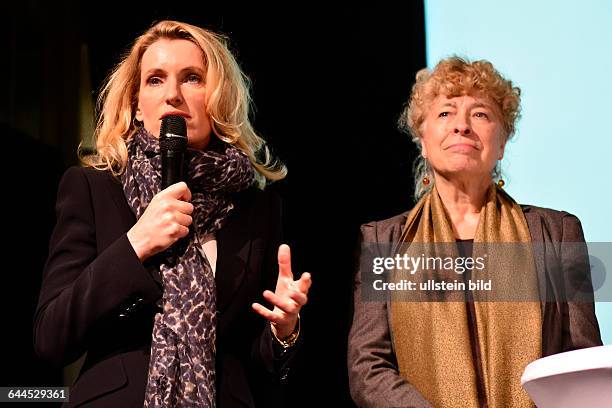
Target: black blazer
point(97, 297)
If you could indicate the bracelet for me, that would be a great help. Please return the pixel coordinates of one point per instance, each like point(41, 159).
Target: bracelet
point(293, 337)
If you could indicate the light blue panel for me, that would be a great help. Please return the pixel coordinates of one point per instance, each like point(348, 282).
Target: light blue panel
point(560, 54)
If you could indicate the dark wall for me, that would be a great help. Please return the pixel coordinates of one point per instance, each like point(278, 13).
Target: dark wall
point(328, 88)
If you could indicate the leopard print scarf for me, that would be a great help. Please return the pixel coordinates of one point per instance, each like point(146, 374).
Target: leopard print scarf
point(182, 365)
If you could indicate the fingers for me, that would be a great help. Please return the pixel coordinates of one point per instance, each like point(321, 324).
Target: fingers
point(180, 231)
point(286, 304)
point(267, 313)
point(294, 291)
point(183, 219)
point(303, 284)
point(171, 205)
point(299, 297)
point(289, 304)
point(183, 206)
point(180, 191)
point(289, 296)
point(171, 199)
point(284, 261)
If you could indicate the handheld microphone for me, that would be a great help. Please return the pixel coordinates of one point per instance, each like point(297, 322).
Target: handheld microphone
point(172, 144)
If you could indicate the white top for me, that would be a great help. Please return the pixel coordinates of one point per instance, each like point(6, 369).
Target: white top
point(209, 249)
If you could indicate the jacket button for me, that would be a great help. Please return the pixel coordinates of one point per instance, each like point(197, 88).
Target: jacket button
point(284, 376)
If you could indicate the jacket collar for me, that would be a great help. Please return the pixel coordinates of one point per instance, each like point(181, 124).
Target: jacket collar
point(233, 245)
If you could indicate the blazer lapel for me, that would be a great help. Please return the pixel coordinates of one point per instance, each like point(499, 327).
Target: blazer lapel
point(128, 218)
point(233, 252)
point(534, 223)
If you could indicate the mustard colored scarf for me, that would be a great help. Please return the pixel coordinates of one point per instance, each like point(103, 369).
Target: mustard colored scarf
point(432, 339)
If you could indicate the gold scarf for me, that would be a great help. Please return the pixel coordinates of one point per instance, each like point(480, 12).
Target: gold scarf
point(432, 339)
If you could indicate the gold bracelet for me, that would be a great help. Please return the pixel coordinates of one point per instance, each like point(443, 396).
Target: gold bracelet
point(293, 337)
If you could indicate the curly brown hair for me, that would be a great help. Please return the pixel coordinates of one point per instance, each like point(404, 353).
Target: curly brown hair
point(453, 77)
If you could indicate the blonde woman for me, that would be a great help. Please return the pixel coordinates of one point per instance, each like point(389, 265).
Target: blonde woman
point(161, 328)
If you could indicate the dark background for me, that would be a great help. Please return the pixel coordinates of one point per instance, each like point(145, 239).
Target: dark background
point(328, 87)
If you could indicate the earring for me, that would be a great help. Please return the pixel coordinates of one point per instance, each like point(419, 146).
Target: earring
point(137, 123)
point(497, 173)
point(425, 181)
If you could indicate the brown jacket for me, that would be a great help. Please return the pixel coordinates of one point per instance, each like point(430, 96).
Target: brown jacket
point(374, 378)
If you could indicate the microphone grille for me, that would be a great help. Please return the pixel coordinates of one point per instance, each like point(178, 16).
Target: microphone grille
point(173, 144)
point(173, 133)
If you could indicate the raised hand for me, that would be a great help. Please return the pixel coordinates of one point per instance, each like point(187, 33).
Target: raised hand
point(288, 298)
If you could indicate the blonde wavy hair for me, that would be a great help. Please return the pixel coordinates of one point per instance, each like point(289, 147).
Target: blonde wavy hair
point(228, 103)
point(453, 77)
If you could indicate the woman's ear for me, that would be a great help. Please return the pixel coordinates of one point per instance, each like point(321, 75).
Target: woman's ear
point(138, 114)
point(423, 149)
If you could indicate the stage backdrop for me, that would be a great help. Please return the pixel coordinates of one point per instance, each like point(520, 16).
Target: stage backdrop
point(558, 53)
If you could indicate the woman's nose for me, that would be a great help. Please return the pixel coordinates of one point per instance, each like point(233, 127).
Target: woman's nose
point(173, 93)
point(462, 126)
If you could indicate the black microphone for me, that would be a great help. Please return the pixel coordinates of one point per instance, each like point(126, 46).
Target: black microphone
point(172, 145)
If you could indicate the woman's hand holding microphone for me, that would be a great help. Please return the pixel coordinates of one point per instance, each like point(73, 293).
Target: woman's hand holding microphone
point(165, 221)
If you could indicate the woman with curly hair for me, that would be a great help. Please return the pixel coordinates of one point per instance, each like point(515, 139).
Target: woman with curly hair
point(460, 347)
